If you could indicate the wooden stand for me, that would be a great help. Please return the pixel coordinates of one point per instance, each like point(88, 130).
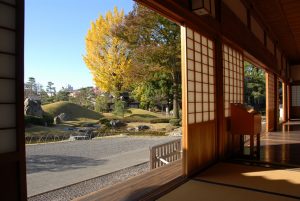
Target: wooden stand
point(244, 122)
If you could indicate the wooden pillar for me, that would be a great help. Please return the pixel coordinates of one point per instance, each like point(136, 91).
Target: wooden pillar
point(288, 102)
point(276, 102)
point(184, 101)
point(222, 135)
point(284, 101)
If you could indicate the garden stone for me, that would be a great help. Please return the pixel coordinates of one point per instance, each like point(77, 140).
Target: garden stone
point(176, 132)
point(33, 107)
point(57, 120)
point(130, 129)
point(116, 123)
point(63, 117)
point(142, 127)
point(88, 125)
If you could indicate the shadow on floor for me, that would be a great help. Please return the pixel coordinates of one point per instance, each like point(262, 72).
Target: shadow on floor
point(55, 163)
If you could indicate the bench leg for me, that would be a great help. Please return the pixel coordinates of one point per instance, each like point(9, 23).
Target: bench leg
point(258, 146)
point(251, 146)
point(241, 145)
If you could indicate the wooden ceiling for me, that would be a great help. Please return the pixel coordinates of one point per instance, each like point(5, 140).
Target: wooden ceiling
point(283, 19)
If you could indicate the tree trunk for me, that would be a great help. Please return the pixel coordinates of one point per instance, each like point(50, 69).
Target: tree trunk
point(175, 94)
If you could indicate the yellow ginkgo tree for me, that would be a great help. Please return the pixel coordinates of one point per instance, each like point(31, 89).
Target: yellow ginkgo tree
point(107, 56)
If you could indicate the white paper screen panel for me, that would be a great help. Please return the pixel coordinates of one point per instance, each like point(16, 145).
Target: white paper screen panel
point(7, 140)
point(7, 41)
point(7, 16)
point(201, 77)
point(233, 75)
point(7, 66)
point(7, 116)
point(12, 2)
point(6, 88)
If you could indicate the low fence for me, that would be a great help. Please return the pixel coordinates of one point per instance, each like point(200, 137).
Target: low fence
point(165, 153)
point(45, 138)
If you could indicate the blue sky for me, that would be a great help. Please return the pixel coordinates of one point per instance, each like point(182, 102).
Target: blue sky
point(55, 38)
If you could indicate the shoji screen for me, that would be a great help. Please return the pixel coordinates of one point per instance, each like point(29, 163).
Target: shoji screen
point(12, 156)
point(270, 99)
point(295, 96)
point(233, 77)
point(7, 79)
point(295, 101)
point(198, 100)
point(200, 75)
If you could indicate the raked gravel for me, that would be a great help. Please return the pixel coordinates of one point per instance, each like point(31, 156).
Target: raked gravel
point(91, 185)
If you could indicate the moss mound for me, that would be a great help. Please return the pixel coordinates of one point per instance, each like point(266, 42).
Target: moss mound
point(73, 111)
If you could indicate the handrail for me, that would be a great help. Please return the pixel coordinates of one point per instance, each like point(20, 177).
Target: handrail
point(165, 153)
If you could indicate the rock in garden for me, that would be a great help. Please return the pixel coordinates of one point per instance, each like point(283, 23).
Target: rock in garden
point(175, 132)
point(33, 107)
point(116, 123)
point(56, 120)
point(63, 116)
point(88, 125)
point(142, 127)
point(130, 129)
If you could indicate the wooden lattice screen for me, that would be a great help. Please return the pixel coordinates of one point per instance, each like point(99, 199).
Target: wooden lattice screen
point(233, 77)
point(200, 75)
point(270, 100)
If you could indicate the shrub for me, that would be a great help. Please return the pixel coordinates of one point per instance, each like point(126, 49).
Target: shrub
point(33, 120)
point(104, 121)
point(175, 122)
point(159, 120)
point(119, 108)
point(46, 120)
point(102, 104)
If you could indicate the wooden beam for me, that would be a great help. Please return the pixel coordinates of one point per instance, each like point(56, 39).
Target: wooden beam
point(20, 131)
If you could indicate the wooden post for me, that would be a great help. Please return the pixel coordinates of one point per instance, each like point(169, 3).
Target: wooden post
point(288, 101)
point(276, 103)
point(222, 138)
point(284, 101)
point(184, 101)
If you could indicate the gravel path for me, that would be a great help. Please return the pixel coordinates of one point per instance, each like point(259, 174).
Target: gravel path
point(85, 187)
point(56, 165)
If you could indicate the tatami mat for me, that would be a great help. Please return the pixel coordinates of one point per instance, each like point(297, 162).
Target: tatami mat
point(235, 182)
point(281, 181)
point(201, 191)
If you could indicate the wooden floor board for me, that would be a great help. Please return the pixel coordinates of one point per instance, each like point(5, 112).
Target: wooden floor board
point(138, 187)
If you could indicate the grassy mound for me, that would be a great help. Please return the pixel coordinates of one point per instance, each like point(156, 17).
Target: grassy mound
point(140, 115)
point(74, 112)
point(144, 113)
